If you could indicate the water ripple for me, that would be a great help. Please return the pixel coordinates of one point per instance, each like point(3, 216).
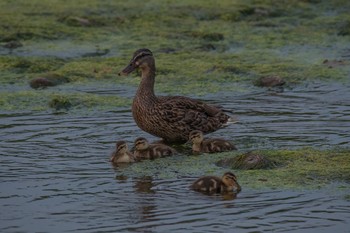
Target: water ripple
point(55, 175)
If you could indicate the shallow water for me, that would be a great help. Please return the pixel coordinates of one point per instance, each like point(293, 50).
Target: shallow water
point(55, 174)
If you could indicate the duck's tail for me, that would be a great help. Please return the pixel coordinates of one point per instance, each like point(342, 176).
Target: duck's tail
point(230, 121)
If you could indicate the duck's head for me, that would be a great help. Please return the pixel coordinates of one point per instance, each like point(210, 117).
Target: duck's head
point(141, 143)
point(196, 136)
point(142, 58)
point(230, 180)
point(121, 147)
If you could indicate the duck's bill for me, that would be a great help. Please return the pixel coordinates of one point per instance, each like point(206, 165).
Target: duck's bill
point(128, 69)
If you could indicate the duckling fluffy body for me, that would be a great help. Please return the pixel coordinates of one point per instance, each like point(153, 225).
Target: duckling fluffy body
point(145, 150)
point(122, 153)
point(214, 145)
point(213, 184)
point(171, 118)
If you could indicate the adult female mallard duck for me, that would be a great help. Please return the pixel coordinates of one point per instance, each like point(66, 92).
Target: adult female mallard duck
point(171, 118)
point(122, 154)
point(212, 184)
point(213, 145)
point(145, 150)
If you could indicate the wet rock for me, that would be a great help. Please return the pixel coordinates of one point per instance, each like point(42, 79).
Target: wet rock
point(333, 63)
point(269, 81)
point(60, 102)
point(40, 83)
point(48, 80)
point(248, 161)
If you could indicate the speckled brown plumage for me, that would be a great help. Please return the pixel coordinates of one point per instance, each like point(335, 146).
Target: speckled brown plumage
point(213, 184)
point(122, 154)
point(171, 118)
point(210, 145)
point(145, 150)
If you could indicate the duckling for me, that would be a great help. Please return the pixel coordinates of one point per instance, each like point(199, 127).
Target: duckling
point(213, 184)
point(213, 145)
point(122, 154)
point(171, 118)
point(145, 150)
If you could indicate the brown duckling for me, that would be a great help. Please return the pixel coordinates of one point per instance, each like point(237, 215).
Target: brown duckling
point(171, 118)
point(214, 145)
point(145, 150)
point(213, 184)
point(122, 154)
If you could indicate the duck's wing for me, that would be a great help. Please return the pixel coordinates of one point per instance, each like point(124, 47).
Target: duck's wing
point(194, 113)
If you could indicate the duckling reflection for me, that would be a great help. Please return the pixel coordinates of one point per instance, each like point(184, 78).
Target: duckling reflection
point(122, 153)
point(145, 150)
point(215, 145)
point(144, 185)
point(212, 184)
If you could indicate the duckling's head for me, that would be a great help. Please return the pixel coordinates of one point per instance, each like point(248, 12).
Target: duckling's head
point(230, 180)
point(196, 136)
point(142, 58)
point(121, 146)
point(141, 143)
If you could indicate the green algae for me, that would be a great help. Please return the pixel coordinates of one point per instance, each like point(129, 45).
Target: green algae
point(295, 169)
point(44, 100)
point(202, 47)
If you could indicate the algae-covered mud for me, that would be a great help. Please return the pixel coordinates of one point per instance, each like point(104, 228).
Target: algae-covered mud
point(281, 68)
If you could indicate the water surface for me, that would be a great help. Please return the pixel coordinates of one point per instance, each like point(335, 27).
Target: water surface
point(55, 174)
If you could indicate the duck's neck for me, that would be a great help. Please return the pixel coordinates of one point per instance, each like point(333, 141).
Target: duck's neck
point(146, 87)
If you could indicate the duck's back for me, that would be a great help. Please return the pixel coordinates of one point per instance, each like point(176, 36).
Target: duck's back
point(161, 150)
point(210, 184)
point(217, 145)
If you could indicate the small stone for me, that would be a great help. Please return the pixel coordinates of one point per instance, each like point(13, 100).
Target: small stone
point(248, 161)
point(270, 81)
point(40, 83)
point(47, 80)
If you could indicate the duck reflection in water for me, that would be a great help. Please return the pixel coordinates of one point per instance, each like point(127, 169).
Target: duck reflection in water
point(144, 185)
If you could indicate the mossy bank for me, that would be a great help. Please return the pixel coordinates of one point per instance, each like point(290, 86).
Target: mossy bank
point(296, 169)
point(202, 47)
